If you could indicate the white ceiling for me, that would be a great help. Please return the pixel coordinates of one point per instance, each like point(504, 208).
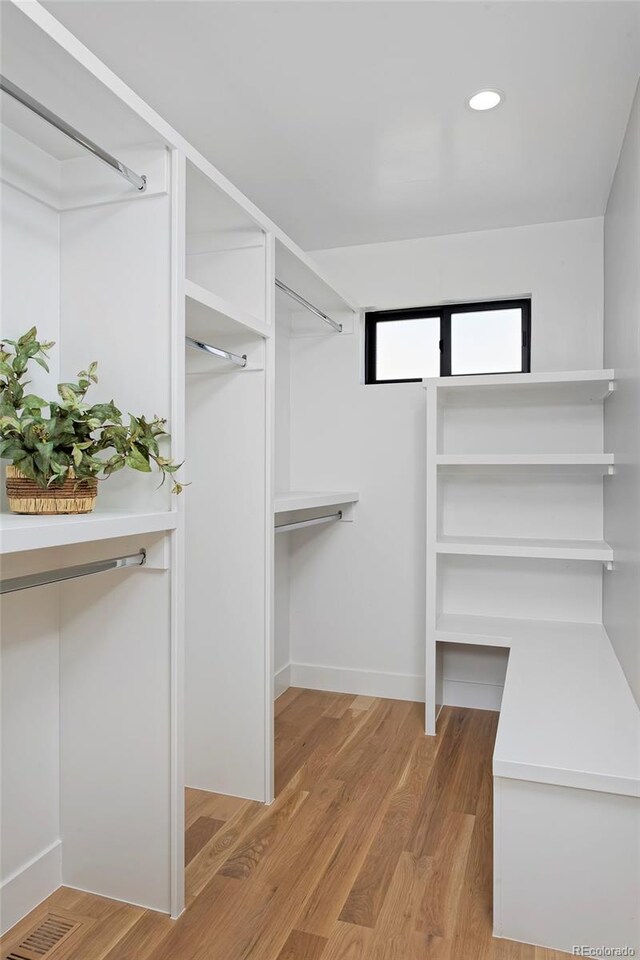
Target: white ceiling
point(346, 121)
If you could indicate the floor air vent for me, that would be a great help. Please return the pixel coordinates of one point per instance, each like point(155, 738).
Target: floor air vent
point(42, 941)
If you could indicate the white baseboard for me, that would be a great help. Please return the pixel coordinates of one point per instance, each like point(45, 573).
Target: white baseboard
point(281, 681)
point(394, 686)
point(469, 693)
point(371, 683)
point(30, 885)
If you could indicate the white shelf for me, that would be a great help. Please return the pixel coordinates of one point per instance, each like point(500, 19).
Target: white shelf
point(598, 463)
point(305, 500)
point(19, 533)
point(210, 315)
point(526, 547)
point(571, 386)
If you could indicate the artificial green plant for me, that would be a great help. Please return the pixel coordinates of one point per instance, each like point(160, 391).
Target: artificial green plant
point(50, 441)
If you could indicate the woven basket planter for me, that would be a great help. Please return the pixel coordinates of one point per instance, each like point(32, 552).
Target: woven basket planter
point(72, 496)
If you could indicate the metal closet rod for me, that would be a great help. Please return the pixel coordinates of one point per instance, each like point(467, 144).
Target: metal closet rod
point(140, 182)
point(305, 303)
point(297, 524)
point(217, 352)
point(71, 573)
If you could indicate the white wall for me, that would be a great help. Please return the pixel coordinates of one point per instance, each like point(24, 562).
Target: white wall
point(622, 417)
point(30, 800)
point(357, 590)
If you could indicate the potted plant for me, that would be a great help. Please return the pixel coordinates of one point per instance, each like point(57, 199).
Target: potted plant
point(59, 449)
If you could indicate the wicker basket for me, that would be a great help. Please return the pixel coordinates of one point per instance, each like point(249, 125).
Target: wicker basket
point(72, 496)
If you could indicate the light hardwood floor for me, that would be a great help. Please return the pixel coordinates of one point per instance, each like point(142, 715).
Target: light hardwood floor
point(378, 847)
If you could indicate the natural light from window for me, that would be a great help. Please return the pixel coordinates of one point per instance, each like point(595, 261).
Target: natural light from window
point(408, 349)
point(486, 341)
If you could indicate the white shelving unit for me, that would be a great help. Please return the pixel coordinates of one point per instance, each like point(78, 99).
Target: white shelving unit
point(485, 412)
point(309, 512)
point(164, 671)
point(515, 470)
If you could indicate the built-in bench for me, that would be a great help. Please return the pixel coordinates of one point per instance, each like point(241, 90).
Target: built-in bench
point(566, 769)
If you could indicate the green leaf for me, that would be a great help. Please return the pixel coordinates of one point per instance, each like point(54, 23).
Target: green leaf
point(33, 402)
point(67, 392)
point(26, 466)
point(138, 461)
point(10, 423)
point(26, 337)
point(42, 458)
point(43, 363)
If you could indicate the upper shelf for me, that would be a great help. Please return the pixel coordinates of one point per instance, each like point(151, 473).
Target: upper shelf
point(572, 386)
point(208, 314)
point(18, 533)
point(305, 500)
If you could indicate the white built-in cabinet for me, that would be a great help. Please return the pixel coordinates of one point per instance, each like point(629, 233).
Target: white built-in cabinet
point(515, 563)
point(304, 513)
point(121, 688)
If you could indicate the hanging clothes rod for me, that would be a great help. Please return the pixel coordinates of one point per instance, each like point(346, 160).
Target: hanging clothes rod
point(309, 306)
point(298, 524)
point(71, 573)
point(218, 352)
point(140, 182)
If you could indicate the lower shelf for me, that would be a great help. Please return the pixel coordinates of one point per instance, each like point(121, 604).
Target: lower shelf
point(526, 548)
point(505, 632)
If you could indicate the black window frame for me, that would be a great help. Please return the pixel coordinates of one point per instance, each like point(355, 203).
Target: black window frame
point(374, 317)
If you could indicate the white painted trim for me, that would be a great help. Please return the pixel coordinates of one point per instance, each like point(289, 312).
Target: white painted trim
point(394, 686)
point(30, 885)
point(433, 657)
point(177, 589)
point(470, 693)
point(371, 683)
point(270, 680)
point(281, 681)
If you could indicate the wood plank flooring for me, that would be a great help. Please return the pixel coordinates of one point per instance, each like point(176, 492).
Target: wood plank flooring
point(377, 847)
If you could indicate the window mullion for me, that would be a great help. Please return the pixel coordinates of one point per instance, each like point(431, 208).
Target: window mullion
point(445, 341)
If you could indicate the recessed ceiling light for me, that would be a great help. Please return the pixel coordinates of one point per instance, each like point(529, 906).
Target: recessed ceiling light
point(485, 99)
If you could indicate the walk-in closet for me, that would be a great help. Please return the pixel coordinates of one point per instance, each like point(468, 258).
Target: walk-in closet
point(320, 527)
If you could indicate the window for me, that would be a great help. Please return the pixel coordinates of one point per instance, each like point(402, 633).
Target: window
point(454, 340)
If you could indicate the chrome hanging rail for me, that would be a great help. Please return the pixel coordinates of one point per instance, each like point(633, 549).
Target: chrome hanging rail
point(309, 306)
point(298, 524)
point(28, 101)
point(217, 352)
point(71, 573)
